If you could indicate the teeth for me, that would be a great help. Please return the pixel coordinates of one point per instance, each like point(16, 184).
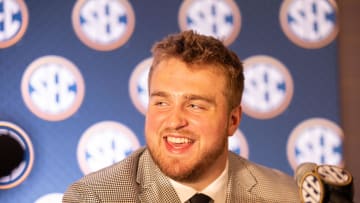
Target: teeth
point(178, 140)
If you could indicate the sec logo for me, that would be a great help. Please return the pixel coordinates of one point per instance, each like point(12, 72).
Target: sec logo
point(52, 88)
point(14, 19)
point(309, 23)
point(138, 85)
point(268, 87)
point(218, 18)
point(104, 144)
point(50, 198)
point(316, 140)
point(103, 25)
point(238, 144)
point(22, 171)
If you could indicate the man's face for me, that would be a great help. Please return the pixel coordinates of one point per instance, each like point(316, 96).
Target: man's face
point(188, 121)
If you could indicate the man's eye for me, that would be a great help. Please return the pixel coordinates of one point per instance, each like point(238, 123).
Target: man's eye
point(195, 106)
point(160, 103)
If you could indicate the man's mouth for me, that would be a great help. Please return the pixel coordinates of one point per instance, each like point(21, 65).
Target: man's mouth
point(178, 144)
point(179, 140)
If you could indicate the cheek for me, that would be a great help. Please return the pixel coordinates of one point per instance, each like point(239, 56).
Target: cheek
point(212, 129)
point(205, 127)
point(209, 122)
point(152, 122)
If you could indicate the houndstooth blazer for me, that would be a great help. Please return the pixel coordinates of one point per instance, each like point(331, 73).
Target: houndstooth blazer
point(138, 179)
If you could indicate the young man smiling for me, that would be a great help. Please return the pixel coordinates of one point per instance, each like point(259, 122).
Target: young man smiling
point(195, 88)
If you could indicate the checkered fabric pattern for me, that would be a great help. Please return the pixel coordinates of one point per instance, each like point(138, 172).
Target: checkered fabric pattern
point(138, 179)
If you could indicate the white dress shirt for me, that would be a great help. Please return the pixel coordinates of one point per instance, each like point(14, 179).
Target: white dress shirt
point(216, 190)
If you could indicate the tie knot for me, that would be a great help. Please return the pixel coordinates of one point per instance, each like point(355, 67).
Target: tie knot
point(200, 198)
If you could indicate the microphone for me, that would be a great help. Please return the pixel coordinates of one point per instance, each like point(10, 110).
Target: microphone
point(324, 184)
point(302, 169)
point(11, 154)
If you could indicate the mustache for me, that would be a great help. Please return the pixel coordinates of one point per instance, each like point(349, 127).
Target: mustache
point(184, 132)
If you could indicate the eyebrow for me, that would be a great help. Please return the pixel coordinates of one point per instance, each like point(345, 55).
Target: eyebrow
point(188, 97)
point(159, 94)
point(199, 97)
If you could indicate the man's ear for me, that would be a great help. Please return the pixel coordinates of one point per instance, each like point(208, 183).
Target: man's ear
point(234, 120)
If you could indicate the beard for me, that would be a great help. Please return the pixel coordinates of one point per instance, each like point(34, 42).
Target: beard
point(187, 170)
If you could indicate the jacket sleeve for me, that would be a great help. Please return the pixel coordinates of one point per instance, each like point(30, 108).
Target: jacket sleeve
point(79, 193)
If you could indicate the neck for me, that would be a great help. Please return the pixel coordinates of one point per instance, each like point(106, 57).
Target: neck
point(210, 175)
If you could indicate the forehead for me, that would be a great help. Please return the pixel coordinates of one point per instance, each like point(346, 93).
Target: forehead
point(179, 70)
point(177, 65)
point(177, 76)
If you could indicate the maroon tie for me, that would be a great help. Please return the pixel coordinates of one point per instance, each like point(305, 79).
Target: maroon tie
point(200, 198)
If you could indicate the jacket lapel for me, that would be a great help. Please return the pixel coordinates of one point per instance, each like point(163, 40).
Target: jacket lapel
point(241, 180)
point(154, 186)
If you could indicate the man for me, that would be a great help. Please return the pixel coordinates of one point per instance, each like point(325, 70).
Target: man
point(195, 88)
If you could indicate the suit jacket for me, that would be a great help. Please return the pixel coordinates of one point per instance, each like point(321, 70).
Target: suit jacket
point(138, 179)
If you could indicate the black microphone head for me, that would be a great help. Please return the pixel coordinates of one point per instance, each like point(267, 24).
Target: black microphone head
point(11, 154)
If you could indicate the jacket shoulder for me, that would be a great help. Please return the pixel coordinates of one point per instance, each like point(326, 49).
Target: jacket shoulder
point(267, 184)
point(113, 183)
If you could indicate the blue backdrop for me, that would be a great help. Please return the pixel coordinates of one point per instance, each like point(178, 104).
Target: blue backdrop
point(73, 90)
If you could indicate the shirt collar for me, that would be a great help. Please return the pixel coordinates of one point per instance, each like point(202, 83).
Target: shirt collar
point(216, 190)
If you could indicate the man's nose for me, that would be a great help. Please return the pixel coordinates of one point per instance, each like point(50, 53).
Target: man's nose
point(177, 118)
